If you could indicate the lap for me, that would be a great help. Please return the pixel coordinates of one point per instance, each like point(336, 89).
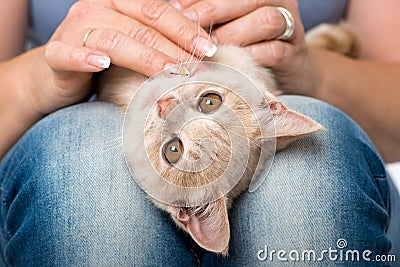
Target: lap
point(70, 196)
point(67, 191)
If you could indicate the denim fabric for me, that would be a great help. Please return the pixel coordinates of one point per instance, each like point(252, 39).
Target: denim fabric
point(68, 198)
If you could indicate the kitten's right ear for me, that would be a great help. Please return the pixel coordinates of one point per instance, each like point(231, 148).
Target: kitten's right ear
point(291, 125)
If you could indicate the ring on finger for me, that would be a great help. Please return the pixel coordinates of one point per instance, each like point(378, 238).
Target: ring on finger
point(289, 30)
point(85, 38)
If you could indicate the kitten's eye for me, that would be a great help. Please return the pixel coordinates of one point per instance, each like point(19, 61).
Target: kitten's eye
point(173, 151)
point(210, 102)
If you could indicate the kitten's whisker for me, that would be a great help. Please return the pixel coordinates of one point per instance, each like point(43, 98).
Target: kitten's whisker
point(115, 147)
point(193, 52)
point(248, 139)
point(113, 143)
point(243, 127)
point(181, 57)
point(202, 56)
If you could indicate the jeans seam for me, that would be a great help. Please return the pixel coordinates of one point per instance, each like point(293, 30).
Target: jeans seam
point(198, 260)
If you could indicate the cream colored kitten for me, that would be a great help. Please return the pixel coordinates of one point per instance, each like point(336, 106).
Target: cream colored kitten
point(339, 38)
point(195, 142)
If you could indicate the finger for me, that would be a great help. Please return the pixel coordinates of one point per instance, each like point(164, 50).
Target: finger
point(270, 24)
point(107, 18)
point(210, 12)
point(63, 57)
point(182, 4)
point(129, 53)
point(161, 16)
point(270, 53)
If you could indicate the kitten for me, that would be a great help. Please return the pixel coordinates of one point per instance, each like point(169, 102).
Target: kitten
point(339, 38)
point(197, 136)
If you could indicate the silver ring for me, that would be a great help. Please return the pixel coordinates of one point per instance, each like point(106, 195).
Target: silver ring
point(85, 38)
point(288, 33)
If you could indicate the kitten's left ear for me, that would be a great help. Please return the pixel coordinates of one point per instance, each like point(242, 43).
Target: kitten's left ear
point(291, 125)
point(210, 228)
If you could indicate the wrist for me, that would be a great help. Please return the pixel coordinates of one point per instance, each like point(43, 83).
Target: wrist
point(17, 113)
point(300, 74)
point(39, 89)
point(311, 81)
point(38, 82)
point(18, 79)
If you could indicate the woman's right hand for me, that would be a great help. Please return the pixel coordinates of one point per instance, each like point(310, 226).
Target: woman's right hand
point(144, 36)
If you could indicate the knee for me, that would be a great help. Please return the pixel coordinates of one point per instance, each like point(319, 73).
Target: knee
point(334, 169)
point(79, 131)
point(343, 138)
point(336, 122)
point(66, 153)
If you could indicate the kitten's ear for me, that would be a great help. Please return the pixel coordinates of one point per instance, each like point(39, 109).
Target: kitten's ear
point(209, 228)
point(291, 125)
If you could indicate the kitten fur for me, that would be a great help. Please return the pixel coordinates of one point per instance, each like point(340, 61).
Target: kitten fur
point(208, 222)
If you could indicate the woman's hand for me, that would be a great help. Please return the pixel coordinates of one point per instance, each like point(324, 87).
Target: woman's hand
point(257, 25)
point(136, 34)
point(143, 35)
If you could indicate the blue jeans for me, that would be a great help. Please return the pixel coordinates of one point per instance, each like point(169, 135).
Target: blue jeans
point(68, 200)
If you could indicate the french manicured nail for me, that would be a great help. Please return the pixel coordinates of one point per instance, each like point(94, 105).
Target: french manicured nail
point(176, 5)
point(191, 15)
point(214, 39)
point(99, 61)
point(206, 46)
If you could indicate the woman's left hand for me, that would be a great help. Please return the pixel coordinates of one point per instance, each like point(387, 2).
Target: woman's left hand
point(258, 26)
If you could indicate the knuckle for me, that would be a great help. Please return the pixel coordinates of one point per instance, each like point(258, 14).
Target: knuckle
point(80, 10)
point(110, 40)
point(277, 52)
point(50, 50)
point(257, 3)
point(59, 54)
point(75, 56)
point(182, 31)
point(186, 34)
point(146, 36)
point(270, 18)
point(293, 4)
point(209, 8)
point(228, 35)
point(150, 60)
point(153, 10)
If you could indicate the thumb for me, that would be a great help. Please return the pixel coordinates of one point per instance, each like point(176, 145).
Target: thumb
point(71, 70)
point(62, 57)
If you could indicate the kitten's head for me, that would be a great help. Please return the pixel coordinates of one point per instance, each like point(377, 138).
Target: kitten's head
point(194, 143)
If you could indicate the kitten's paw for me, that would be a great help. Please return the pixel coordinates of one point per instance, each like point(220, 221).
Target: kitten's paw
point(339, 38)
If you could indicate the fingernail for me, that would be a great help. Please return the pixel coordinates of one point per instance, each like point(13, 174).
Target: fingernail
point(99, 61)
point(176, 5)
point(191, 15)
point(214, 39)
point(206, 46)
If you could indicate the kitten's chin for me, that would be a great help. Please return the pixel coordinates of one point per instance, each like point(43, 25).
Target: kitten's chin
point(208, 225)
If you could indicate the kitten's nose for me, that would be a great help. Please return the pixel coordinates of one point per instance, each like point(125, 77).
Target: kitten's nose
point(165, 106)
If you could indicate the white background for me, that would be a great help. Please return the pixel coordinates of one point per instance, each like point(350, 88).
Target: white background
point(394, 170)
